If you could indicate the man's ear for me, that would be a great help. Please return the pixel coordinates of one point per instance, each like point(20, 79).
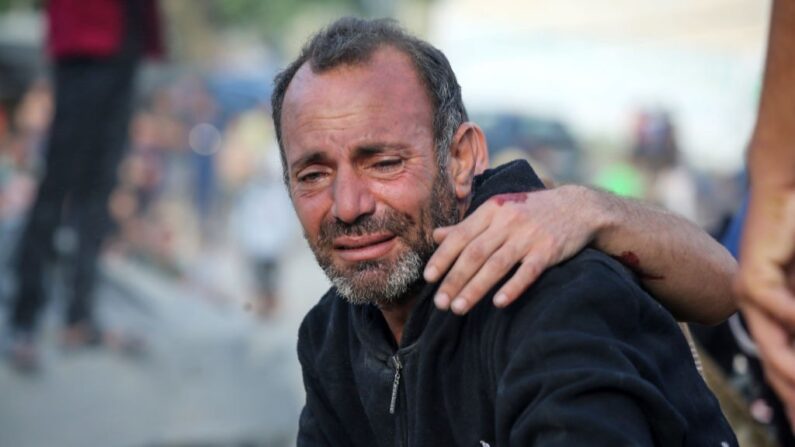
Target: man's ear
point(469, 156)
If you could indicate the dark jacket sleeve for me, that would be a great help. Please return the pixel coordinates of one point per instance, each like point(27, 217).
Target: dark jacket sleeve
point(309, 432)
point(583, 364)
point(318, 424)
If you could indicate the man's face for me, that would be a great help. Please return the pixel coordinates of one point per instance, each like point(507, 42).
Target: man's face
point(363, 175)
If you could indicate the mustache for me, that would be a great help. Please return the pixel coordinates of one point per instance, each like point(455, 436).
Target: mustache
point(390, 221)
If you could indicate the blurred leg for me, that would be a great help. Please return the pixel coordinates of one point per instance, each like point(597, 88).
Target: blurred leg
point(35, 250)
point(113, 86)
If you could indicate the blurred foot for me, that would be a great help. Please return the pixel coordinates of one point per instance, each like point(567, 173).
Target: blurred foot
point(82, 336)
point(79, 336)
point(267, 306)
point(22, 354)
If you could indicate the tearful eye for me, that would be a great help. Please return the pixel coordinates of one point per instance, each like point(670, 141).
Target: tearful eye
point(311, 177)
point(388, 164)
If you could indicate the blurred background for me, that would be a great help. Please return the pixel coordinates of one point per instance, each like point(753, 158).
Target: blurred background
point(205, 265)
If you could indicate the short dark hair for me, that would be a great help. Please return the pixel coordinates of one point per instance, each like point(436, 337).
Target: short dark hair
point(352, 40)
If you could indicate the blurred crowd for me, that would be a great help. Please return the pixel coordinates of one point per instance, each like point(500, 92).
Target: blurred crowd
point(196, 177)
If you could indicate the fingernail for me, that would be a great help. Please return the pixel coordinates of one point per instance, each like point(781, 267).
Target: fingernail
point(459, 306)
point(430, 273)
point(442, 301)
point(501, 299)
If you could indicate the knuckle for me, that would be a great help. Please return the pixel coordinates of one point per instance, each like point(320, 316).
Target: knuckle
point(461, 237)
point(513, 215)
point(453, 280)
point(454, 234)
point(476, 251)
point(500, 261)
point(531, 269)
point(516, 250)
point(472, 293)
point(549, 243)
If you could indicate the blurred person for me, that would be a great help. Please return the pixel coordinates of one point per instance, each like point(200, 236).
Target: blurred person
point(31, 122)
point(249, 166)
point(200, 113)
point(655, 150)
point(19, 153)
point(654, 144)
point(766, 280)
point(670, 182)
point(377, 152)
point(96, 46)
point(263, 225)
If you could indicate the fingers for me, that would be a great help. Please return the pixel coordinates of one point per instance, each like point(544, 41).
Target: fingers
point(477, 253)
point(771, 294)
point(482, 254)
point(778, 302)
point(776, 351)
point(441, 233)
point(530, 269)
point(485, 278)
point(452, 241)
point(767, 252)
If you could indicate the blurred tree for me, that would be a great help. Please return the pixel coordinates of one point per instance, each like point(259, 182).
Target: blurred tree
point(195, 26)
point(271, 17)
point(6, 5)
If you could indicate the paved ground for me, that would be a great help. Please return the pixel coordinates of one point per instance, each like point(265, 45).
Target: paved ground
point(213, 375)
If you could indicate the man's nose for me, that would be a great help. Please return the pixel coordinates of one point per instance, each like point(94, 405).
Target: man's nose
point(352, 197)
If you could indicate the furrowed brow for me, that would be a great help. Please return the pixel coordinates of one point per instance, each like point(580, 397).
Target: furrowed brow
point(308, 159)
point(377, 149)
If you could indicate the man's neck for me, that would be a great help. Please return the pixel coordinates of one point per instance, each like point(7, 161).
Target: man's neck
point(397, 314)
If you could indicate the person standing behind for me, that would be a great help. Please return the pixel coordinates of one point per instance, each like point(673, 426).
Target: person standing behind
point(96, 46)
point(766, 279)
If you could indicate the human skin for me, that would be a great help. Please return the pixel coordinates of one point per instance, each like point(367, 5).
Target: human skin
point(358, 141)
point(677, 262)
point(766, 280)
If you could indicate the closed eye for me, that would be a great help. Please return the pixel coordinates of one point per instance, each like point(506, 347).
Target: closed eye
point(311, 177)
point(388, 164)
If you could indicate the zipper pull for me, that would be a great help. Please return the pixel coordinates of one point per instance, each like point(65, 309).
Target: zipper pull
point(398, 366)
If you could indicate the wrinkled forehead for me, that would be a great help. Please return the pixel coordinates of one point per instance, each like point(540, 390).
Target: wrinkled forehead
point(387, 78)
point(387, 75)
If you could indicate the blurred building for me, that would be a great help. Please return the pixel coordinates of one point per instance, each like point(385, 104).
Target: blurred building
point(593, 63)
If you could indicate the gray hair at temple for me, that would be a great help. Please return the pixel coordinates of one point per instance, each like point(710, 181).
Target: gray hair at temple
point(350, 41)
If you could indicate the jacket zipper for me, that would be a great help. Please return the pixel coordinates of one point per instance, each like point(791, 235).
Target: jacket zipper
point(401, 422)
point(395, 383)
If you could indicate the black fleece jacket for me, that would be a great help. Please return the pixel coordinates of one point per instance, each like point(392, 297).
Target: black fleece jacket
point(584, 357)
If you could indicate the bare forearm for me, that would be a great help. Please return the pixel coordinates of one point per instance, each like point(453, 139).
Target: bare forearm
point(678, 263)
point(772, 153)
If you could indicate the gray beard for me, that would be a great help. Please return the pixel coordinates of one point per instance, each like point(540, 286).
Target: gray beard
point(405, 273)
point(392, 283)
